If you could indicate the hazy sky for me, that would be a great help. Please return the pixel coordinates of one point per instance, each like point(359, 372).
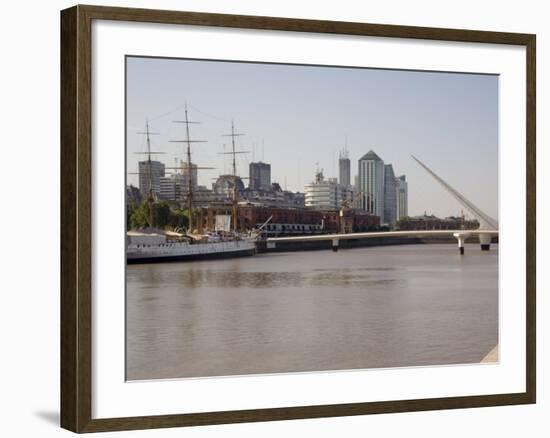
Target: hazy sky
point(294, 117)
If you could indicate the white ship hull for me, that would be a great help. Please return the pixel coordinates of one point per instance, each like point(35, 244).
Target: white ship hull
point(179, 251)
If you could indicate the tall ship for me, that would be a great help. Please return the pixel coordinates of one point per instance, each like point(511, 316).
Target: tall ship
point(162, 246)
point(224, 241)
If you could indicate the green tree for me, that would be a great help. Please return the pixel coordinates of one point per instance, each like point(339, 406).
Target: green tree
point(130, 208)
point(178, 219)
point(139, 216)
point(163, 216)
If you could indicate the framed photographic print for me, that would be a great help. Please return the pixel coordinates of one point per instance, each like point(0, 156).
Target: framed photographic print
point(271, 218)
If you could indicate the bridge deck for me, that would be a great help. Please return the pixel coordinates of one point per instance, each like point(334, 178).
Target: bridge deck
point(411, 233)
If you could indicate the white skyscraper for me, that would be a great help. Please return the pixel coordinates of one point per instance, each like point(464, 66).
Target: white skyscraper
point(371, 184)
point(323, 194)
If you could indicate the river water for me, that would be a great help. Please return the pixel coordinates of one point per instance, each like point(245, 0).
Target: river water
point(391, 306)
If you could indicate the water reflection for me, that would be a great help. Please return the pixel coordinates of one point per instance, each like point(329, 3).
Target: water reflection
point(308, 311)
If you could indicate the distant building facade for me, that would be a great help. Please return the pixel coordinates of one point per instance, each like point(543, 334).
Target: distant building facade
point(133, 195)
point(186, 172)
point(349, 196)
point(176, 186)
point(344, 167)
point(173, 187)
point(431, 222)
point(202, 197)
point(402, 193)
point(259, 176)
point(323, 194)
point(226, 184)
point(295, 221)
point(390, 196)
point(371, 184)
point(276, 197)
point(348, 191)
point(150, 173)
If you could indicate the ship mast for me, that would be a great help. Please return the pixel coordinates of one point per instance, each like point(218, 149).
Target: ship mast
point(188, 141)
point(175, 182)
point(234, 154)
point(151, 196)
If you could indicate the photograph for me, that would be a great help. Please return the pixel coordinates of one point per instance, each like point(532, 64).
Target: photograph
point(294, 218)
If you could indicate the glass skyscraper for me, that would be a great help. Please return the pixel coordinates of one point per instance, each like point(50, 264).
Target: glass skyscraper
point(371, 183)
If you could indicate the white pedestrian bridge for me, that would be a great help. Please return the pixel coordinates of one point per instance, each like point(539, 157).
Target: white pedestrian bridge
point(484, 236)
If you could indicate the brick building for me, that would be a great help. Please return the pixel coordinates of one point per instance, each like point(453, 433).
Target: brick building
point(295, 221)
point(431, 222)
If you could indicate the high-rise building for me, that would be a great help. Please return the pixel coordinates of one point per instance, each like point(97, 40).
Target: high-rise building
point(176, 186)
point(349, 194)
point(402, 193)
point(259, 176)
point(322, 193)
point(344, 166)
point(150, 173)
point(173, 187)
point(185, 172)
point(390, 196)
point(371, 184)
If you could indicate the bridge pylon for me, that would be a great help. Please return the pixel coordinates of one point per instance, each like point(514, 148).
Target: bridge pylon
point(486, 222)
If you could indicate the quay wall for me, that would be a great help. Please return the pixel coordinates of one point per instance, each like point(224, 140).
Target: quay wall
point(358, 243)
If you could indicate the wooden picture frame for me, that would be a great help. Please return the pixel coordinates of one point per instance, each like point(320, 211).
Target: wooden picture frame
point(76, 218)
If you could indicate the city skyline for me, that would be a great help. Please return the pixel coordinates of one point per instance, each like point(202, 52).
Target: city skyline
point(282, 120)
